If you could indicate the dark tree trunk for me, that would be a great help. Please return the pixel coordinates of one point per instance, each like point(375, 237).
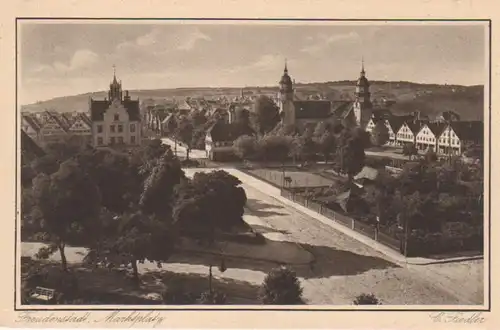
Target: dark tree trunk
point(188, 150)
point(64, 262)
point(135, 272)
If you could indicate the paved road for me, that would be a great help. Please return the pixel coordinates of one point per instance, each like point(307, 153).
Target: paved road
point(345, 267)
point(181, 151)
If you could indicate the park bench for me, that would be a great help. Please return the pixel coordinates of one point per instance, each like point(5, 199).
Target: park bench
point(44, 294)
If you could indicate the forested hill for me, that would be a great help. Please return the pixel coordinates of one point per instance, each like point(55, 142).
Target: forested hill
point(430, 99)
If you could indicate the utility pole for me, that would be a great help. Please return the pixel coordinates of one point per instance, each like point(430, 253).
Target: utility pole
point(406, 237)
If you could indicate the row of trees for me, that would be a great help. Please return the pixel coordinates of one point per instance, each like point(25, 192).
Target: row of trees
point(125, 207)
point(345, 146)
point(429, 196)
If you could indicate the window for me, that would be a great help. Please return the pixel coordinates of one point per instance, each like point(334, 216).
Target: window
point(117, 117)
point(99, 128)
point(112, 140)
point(120, 128)
point(132, 128)
point(112, 128)
point(99, 141)
point(132, 139)
point(120, 139)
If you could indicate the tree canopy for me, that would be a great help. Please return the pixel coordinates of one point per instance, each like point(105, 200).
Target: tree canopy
point(69, 204)
point(266, 114)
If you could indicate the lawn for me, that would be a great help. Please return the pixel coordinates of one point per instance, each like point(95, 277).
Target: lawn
point(104, 286)
point(300, 178)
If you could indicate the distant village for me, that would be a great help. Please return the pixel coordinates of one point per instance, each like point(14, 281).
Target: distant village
point(120, 120)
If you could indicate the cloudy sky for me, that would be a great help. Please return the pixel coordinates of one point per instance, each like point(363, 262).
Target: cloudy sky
point(59, 59)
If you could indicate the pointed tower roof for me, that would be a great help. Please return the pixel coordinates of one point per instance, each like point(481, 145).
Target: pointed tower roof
point(286, 81)
point(115, 81)
point(362, 81)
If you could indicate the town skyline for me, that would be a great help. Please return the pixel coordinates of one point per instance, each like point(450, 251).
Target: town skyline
point(76, 59)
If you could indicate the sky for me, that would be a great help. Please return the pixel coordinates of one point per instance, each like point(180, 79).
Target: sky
point(68, 58)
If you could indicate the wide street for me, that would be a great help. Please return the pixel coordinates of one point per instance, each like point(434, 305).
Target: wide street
point(181, 150)
point(342, 267)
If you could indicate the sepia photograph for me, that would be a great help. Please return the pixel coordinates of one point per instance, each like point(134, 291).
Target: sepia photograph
point(302, 164)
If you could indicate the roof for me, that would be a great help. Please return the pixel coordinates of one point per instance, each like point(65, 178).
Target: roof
point(66, 120)
point(30, 146)
point(33, 122)
point(341, 109)
point(468, 130)
point(415, 126)
point(312, 109)
point(85, 118)
point(436, 128)
point(381, 114)
point(58, 119)
point(362, 81)
point(167, 118)
point(222, 131)
point(368, 173)
point(99, 107)
point(396, 122)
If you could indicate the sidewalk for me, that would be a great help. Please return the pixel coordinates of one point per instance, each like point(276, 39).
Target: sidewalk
point(394, 255)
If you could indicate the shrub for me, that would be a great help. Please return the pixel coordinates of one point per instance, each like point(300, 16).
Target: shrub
point(178, 295)
point(212, 298)
point(281, 287)
point(366, 299)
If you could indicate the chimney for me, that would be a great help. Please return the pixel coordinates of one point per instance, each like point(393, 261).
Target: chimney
point(127, 97)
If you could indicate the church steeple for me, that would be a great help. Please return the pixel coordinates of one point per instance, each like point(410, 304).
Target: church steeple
point(285, 98)
point(362, 104)
point(286, 85)
point(115, 88)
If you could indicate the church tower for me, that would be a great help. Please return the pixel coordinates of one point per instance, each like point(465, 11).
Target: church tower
point(115, 89)
point(362, 102)
point(285, 98)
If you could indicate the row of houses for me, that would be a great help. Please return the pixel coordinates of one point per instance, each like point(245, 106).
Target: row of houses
point(449, 138)
point(50, 126)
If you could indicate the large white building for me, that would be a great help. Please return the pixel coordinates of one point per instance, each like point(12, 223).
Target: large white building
point(116, 120)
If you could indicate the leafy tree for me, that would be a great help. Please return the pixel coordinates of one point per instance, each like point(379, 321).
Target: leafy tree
point(380, 134)
point(409, 210)
point(281, 287)
point(198, 139)
point(157, 197)
point(431, 156)
point(198, 118)
point(65, 149)
point(266, 114)
point(138, 237)
point(242, 116)
point(207, 203)
point(326, 144)
point(118, 180)
point(272, 147)
point(245, 147)
point(46, 164)
point(69, 203)
point(350, 153)
point(410, 150)
point(27, 176)
point(366, 299)
point(184, 133)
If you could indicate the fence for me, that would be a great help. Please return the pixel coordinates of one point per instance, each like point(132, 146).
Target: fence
point(360, 227)
point(417, 245)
